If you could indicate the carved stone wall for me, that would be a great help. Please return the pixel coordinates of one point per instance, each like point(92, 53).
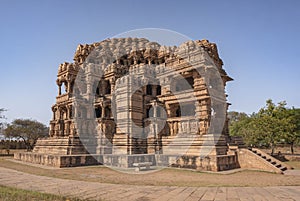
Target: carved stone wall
point(127, 110)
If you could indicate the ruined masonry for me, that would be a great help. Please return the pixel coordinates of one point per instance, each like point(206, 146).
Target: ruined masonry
point(129, 100)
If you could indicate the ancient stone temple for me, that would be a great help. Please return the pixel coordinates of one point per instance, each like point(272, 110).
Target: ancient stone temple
point(129, 100)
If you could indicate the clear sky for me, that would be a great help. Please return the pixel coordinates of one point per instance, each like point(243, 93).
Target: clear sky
point(257, 40)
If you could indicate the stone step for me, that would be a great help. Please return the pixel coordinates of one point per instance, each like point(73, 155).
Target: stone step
point(64, 146)
point(279, 165)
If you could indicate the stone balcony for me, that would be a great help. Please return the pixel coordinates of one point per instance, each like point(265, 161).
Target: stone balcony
point(62, 98)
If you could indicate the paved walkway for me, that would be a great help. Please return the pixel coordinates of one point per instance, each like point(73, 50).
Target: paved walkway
point(97, 191)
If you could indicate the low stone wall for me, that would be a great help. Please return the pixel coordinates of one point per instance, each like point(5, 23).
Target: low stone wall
point(249, 160)
point(123, 161)
point(59, 160)
point(126, 161)
point(80, 160)
point(227, 162)
point(208, 163)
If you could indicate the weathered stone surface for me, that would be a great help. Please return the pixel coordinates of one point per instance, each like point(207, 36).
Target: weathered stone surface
point(129, 100)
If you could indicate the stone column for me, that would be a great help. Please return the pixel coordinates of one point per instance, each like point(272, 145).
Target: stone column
point(112, 85)
point(51, 130)
point(59, 89)
point(56, 129)
point(171, 126)
point(102, 87)
point(68, 112)
point(154, 90)
point(168, 110)
point(103, 111)
point(67, 128)
point(68, 86)
point(175, 128)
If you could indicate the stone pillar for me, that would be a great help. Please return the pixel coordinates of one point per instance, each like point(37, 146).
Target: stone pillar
point(168, 110)
point(180, 127)
point(51, 130)
point(61, 128)
point(171, 127)
point(154, 90)
point(68, 112)
point(67, 128)
point(175, 129)
point(112, 85)
point(102, 87)
point(56, 129)
point(59, 89)
point(89, 88)
point(72, 129)
point(68, 87)
point(103, 111)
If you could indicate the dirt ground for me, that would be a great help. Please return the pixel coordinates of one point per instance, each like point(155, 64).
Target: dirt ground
point(165, 177)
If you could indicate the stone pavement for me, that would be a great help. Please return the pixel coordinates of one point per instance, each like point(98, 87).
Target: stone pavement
point(104, 191)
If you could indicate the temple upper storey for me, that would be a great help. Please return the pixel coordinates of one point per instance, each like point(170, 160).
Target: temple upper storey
point(165, 78)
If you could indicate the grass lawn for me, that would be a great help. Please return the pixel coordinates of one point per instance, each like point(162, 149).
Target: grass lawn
point(14, 194)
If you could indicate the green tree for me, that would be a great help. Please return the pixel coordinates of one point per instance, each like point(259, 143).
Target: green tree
point(292, 137)
point(236, 116)
point(2, 117)
point(241, 124)
point(274, 123)
point(271, 125)
point(26, 129)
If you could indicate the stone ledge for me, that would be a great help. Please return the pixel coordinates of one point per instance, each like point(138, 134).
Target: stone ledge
point(211, 163)
point(59, 161)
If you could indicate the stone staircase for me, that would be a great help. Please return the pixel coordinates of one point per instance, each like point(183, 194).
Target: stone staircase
point(64, 146)
point(177, 145)
point(280, 166)
point(183, 144)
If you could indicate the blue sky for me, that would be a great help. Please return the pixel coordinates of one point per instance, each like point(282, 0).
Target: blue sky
point(257, 40)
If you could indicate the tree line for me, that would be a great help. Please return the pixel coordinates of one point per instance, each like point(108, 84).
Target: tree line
point(26, 130)
point(12, 144)
point(272, 125)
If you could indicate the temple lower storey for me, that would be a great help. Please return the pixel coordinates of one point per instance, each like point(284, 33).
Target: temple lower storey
point(129, 100)
point(218, 163)
point(68, 152)
point(241, 158)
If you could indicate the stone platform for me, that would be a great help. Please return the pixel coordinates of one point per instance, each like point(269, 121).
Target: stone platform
point(210, 163)
point(59, 161)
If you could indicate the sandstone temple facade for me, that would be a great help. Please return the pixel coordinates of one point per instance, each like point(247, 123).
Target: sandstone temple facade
point(129, 100)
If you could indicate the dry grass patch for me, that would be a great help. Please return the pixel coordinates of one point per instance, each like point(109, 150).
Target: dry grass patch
point(294, 164)
point(165, 177)
point(14, 194)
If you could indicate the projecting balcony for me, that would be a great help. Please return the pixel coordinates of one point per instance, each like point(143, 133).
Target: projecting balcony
point(62, 98)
